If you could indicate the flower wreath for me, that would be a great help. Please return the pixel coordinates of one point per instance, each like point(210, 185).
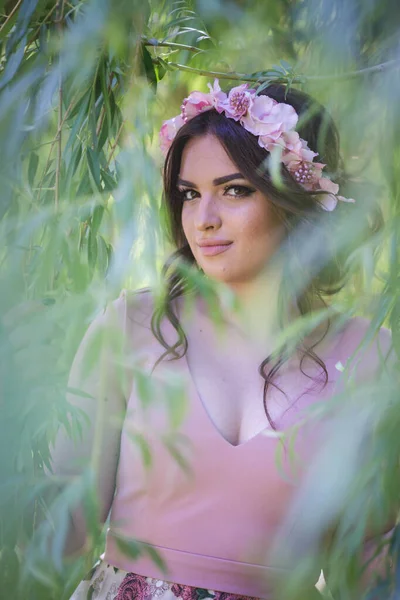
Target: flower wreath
point(272, 122)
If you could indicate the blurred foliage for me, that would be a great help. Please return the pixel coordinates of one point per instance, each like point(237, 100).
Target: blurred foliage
point(84, 86)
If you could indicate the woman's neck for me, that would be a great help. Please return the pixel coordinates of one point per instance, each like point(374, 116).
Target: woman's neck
point(252, 310)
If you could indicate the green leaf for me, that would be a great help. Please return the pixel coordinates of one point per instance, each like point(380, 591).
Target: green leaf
point(108, 180)
point(171, 442)
point(177, 403)
point(19, 33)
point(161, 71)
point(110, 254)
point(92, 249)
point(156, 557)
point(140, 440)
point(13, 63)
point(148, 68)
point(145, 387)
point(97, 217)
point(92, 125)
point(105, 92)
point(78, 121)
point(104, 134)
point(32, 167)
point(130, 548)
point(287, 66)
point(82, 101)
point(94, 167)
point(102, 255)
point(85, 188)
point(76, 392)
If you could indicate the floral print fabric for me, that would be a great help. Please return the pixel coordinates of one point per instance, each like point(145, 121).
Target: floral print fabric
point(105, 582)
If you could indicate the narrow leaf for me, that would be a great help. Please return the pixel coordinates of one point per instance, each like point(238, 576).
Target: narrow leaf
point(148, 68)
point(94, 167)
point(92, 250)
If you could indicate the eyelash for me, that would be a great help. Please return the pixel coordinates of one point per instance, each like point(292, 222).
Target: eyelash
point(244, 191)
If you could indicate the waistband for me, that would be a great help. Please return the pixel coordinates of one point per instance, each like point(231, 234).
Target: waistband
point(197, 570)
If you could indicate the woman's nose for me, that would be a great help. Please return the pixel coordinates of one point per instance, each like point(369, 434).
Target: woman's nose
point(208, 214)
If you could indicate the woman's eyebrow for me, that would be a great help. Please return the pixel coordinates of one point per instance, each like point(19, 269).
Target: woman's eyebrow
point(217, 181)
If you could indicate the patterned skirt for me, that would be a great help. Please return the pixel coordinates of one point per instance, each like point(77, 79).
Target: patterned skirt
point(105, 582)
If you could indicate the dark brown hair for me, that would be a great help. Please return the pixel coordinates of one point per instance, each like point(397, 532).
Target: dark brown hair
point(304, 219)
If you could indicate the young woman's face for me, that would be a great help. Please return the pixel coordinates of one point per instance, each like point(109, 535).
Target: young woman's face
point(230, 226)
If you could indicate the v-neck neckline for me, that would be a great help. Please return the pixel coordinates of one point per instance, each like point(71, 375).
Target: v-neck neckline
point(213, 427)
point(274, 436)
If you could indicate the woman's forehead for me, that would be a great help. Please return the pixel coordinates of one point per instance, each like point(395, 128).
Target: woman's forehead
point(205, 158)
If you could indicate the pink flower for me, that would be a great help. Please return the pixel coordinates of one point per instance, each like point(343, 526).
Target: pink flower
point(329, 201)
point(217, 94)
point(307, 174)
point(269, 119)
point(328, 185)
point(295, 148)
point(238, 102)
point(273, 124)
point(176, 589)
point(196, 103)
point(133, 587)
point(186, 592)
point(168, 131)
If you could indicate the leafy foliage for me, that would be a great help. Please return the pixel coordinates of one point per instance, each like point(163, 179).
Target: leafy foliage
point(84, 85)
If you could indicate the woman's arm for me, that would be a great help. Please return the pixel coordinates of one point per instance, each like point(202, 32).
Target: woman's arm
point(379, 356)
point(98, 385)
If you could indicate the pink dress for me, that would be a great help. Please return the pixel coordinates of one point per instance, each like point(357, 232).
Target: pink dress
point(205, 509)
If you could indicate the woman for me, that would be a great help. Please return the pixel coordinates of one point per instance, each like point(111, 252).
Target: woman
point(198, 488)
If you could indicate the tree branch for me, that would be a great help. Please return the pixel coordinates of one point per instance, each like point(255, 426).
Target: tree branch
point(156, 44)
point(390, 64)
point(53, 142)
point(15, 8)
point(59, 18)
point(115, 143)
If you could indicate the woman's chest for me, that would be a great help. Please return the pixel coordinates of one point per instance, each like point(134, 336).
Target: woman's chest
point(242, 395)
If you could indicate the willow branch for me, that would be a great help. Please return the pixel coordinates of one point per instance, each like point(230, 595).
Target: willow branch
point(36, 33)
point(390, 64)
point(53, 143)
point(205, 73)
point(12, 13)
point(115, 143)
point(103, 108)
point(59, 17)
point(156, 44)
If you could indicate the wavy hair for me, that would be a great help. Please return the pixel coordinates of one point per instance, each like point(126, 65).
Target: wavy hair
point(304, 220)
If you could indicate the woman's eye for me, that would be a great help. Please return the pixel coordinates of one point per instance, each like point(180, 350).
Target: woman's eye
point(238, 191)
point(187, 194)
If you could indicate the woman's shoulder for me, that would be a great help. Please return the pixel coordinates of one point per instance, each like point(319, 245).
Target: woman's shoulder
point(140, 303)
point(365, 346)
point(135, 308)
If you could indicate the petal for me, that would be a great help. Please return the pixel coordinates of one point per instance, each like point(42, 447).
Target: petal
point(343, 199)
point(262, 106)
point(239, 88)
point(168, 132)
point(327, 201)
point(328, 186)
point(286, 115)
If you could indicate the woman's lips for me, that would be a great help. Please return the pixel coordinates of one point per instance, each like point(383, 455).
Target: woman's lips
point(215, 249)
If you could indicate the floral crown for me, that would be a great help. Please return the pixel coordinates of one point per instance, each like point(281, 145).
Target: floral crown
point(272, 122)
